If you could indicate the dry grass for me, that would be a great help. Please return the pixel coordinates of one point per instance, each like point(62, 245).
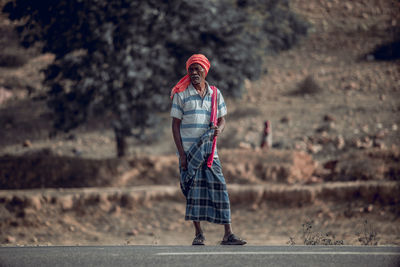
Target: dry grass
point(312, 237)
point(368, 236)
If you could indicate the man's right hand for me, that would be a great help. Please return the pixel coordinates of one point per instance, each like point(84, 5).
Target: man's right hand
point(183, 161)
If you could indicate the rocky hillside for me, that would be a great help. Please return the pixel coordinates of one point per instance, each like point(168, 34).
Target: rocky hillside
point(334, 111)
point(326, 96)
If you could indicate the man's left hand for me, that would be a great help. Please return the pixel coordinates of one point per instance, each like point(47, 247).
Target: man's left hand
point(217, 129)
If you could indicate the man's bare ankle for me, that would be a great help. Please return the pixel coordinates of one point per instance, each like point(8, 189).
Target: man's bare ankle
point(226, 235)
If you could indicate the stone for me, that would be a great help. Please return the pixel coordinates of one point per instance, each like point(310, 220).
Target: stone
point(29, 212)
point(66, 202)
point(285, 119)
point(314, 148)
point(76, 151)
point(115, 210)
point(134, 232)
point(10, 239)
point(254, 207)
point(27, 143)
point(356, 142)
point(104, 203)
point(363, 27)
point(370, 208)
point(379, 144)
point(339, 142)
point(34, 202)
point(348, 6)
point(367, 142)
point(352, 86)
point(329, 118)
point(244, 145)
point(363, 143)
point(314, 180)
point(4, 95)
point(370, 58)
point(380, 134)
point(326, 127)
point(300, 145)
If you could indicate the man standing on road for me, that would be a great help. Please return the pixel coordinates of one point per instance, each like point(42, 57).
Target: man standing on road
point(195, 128)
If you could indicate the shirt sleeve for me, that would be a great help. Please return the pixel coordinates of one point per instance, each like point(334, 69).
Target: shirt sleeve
point(177, 107)
point(222, 111)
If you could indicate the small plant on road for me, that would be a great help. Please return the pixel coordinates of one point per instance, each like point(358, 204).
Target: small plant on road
point(311, 237)
point(291, 241)
point(368, 236)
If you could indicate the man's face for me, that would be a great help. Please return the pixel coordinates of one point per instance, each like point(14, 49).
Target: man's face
point(196, 73)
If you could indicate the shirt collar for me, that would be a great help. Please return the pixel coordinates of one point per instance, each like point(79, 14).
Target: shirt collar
point(192, 90)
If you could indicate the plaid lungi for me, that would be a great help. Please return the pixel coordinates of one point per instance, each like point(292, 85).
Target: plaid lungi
point(205, 188)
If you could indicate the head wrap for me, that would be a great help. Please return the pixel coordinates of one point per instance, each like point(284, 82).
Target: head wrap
point(185, 81)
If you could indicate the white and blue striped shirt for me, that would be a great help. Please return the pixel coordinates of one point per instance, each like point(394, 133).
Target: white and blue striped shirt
point(195, 113)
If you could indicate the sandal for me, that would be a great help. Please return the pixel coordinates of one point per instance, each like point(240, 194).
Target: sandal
point(199, 240)
point(233, 240)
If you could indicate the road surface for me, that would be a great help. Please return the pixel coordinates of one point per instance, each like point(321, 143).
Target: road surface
point(116, 256)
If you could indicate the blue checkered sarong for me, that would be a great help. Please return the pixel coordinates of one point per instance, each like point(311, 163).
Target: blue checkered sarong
point(205, 188)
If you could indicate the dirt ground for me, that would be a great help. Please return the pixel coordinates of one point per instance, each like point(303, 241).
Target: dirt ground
point(353, 108)
point(162, 223)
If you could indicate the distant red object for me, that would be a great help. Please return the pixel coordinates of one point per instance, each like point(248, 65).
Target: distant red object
point(266, 139)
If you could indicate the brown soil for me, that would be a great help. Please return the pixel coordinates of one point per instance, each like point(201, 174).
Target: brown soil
point(154, 215)
point(334, 116)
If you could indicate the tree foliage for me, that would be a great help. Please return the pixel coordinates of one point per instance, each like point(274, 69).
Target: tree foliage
point(124, 56)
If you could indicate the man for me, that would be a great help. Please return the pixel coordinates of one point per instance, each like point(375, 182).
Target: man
point(202, 181)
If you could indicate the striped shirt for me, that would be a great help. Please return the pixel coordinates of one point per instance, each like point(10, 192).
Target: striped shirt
point(195, 113)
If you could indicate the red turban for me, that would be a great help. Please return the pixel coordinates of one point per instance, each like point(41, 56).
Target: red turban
point(185, 81)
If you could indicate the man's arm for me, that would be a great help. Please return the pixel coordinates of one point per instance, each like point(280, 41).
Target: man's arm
point(220, 126)
point(176, 132)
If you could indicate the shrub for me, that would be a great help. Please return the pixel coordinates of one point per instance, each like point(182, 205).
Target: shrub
point(12, 58)
point(388, 51)
point(368, 236)
point(307, 87)
point(317, 238)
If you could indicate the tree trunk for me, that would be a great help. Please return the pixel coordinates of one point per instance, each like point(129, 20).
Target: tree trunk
point(121, 143)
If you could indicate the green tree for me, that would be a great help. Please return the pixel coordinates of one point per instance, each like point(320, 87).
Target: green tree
point(123, 56)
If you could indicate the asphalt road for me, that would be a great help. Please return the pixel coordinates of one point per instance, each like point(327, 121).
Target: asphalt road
point(116, 256)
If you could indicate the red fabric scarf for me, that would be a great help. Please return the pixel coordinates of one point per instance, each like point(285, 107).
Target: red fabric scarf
point(185, 81)
point(214, 121)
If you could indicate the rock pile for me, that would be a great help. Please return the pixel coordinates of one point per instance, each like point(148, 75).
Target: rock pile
point(278, 166)
point(43, 169)
point(371, 164)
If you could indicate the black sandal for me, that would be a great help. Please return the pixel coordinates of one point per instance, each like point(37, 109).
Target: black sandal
point(233, 240)
point(199, 240)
